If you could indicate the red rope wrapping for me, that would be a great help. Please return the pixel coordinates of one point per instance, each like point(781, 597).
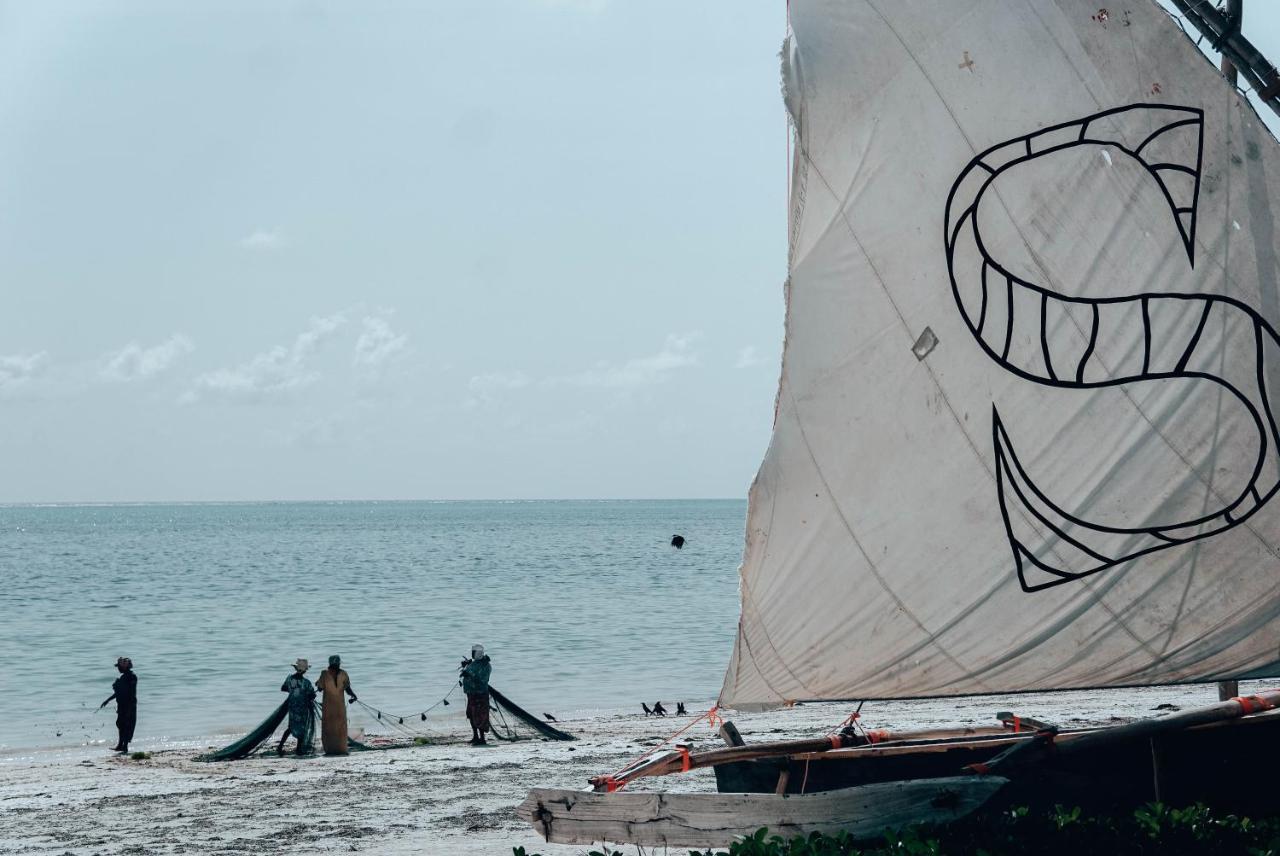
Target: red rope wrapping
point(685, 763)
point(1251, 704)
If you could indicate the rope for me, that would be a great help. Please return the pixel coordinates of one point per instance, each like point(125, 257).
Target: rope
point(421, 715)
point(401, 728)
point(853, 720)
point(511, 733)
point(711, 715)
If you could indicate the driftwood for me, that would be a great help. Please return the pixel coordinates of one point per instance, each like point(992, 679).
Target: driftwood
point(715, 820)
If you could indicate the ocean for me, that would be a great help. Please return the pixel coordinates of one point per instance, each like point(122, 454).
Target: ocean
point(582, 605)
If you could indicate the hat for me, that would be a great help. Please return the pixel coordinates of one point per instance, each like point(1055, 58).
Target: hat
point(302, 665)
point(477, 650)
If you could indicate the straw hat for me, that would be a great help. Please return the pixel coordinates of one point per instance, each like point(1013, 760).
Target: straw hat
point(302, 665)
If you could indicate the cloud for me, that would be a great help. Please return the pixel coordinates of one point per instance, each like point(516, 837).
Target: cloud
point(134, 362)
point(748, 358)
point(262, 239)
point(484, 387)
point(378, 344)
point(272, 373)
point(677, 353)
point(18, 370)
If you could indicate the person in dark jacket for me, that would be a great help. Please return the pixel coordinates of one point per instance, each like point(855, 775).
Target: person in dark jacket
point(124, 692)
point(302, 709)
point(475, 683)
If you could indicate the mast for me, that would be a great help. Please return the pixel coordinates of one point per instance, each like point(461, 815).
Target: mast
point(1228, 690)
point(1235, 13)
point(1222, 29)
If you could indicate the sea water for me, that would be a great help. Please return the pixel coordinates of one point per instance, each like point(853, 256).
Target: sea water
point(582, 605)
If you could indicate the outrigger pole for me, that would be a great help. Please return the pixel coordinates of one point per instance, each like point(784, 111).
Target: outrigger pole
point(1222, 29)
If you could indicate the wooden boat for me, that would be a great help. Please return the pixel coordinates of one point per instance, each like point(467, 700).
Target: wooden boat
point(1200, 764)
point(710, 820)
point(829, 784)
point(1026, 431)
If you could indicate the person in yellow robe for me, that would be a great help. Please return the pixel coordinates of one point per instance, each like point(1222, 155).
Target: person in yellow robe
point(332, 684)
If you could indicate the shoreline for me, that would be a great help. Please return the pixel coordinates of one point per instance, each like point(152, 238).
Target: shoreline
point(444, 797)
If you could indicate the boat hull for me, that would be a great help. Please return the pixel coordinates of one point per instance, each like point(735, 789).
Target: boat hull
point(715, 820)
point(1215, 765)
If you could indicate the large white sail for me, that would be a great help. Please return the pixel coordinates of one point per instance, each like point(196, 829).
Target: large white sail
point(1026, 431)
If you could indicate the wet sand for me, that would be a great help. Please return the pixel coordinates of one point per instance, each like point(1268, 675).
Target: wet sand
point(447, 798)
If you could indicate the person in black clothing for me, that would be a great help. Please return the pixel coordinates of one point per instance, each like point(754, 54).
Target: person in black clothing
point(124, 692)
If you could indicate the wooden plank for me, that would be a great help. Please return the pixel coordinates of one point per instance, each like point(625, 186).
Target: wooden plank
point(673, 762)
point(715, 820)
point(1002, 739)
point(729, 734)
point(1021, 723)
point(1143, 728)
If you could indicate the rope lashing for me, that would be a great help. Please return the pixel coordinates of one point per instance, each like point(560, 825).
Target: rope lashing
point(854, 722)
point(617, 780)
point(686, 763)
point(1252, 704)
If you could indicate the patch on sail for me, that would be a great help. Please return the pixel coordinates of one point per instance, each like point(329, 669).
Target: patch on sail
point(1011, 317)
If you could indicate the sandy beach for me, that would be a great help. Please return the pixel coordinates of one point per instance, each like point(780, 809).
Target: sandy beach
point(446, 798)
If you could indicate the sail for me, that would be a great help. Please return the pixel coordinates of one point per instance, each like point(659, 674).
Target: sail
point(1026, 430)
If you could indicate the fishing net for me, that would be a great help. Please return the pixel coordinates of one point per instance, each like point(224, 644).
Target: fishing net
point(246, 745)
point(510, 718)
point(511, 723)
point(249, 744)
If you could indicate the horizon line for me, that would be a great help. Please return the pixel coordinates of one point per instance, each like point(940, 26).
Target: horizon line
point(116, 502)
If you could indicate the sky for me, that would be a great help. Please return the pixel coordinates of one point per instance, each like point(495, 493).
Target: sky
point(391, 250)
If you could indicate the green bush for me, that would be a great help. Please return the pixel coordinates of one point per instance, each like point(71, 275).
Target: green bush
point(1153, 830)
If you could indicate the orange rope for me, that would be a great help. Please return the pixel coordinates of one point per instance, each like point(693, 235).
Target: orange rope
point(613, 783)
point(855, 720)
point(1250, 704)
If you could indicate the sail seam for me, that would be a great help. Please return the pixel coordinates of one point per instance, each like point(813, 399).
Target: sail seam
point(871, 565)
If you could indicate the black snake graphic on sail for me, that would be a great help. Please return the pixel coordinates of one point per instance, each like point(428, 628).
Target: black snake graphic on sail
point(1215, 339)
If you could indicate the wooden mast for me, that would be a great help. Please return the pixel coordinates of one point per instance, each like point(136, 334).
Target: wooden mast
point(1223, 32)
point(1235, 14)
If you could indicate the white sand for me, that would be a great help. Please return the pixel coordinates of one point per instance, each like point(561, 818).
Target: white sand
point(448, 799)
